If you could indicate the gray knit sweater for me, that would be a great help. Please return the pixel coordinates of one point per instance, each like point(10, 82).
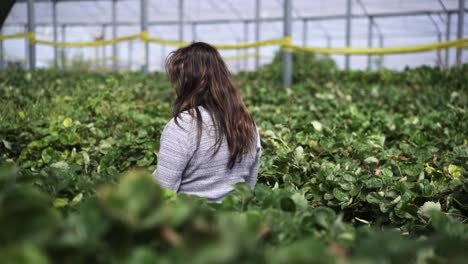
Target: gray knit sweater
point(185, 168)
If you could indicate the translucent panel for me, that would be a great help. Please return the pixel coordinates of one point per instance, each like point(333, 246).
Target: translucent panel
point(88, 20)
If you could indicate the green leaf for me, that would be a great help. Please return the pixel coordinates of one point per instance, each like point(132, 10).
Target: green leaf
point(300, 201)
point(427, 207)
point(47, 155)
point(6, 144)
point(374, 183)
point(340, 195)
point(373, 198)
point(371, 160)
point(298, 154)
point(317, 125)
point(70, 138)
point(60, 165)
point(60, 202)
point(454, 171)
point(67, 122)
point(86, 158)
point(76, 199)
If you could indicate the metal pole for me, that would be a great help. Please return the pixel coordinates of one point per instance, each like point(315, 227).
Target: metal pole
point(257, 32)
point(163, 57)
point(263, 20)
point(439, 52)
point(304, 32)
point(31, 44)
point(55, 31)
point(348, 31)
point(439, 39)
point(194, 32)
point(461, 7)
point(329, 41)
point(104, 47)
point(181, 20)
point(381, 44)
point(369, 41)
point(26, 49)
point(144, 28)
point(130, 55)
point(447, 38)
point(96, 57)
point(287, 56)
point(62, 50)
point(238, 53)
point(246, 39)
point(114, 34)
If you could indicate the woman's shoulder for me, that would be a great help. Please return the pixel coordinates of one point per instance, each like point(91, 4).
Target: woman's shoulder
point(180, 122)
point(187, 119)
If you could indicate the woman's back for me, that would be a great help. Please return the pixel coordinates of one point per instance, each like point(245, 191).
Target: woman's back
point(211, 142)
point(187, 167)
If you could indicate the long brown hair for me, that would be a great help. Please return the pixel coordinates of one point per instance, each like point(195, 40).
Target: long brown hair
point(201, 78)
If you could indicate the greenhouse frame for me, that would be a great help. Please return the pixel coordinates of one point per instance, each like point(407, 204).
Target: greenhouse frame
point(364, 21)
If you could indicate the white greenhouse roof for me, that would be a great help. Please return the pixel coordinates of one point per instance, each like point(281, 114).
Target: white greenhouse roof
point(399, 23)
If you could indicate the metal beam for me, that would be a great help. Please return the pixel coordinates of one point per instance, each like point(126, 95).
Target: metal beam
point(370, 32)
point(447, 38)
point(370, 36)
point(144, 27)
point(96, 57)
point(104, 54)
point(194, 32)
point(305, 26)
point(262, 20)
point(323, 29)
point(447, 31)
point(114, 34)
point(287, 56)
point(238, 53)
point(381, 45)
point(64, 0)
point(163, 57)
point(257, 31)
point(461, 13)
point(439, 39)
point(62, 50)
point(246, 39)
point(442, 5)
point(26, 49)
point(31, 45)
point(55, 31)
point(181, 20)
point(304, 32)
point(348, 31)
point(130, 55)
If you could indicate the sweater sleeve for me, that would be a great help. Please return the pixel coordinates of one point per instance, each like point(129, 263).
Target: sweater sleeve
point(173, 155)
point(252, 180)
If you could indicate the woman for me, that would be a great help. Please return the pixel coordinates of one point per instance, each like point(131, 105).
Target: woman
point(211, 142)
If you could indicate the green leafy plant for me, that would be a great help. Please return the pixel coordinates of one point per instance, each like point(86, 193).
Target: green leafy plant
point(357, 167)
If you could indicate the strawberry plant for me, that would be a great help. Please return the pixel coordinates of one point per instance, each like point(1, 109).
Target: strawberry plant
point(356, 167)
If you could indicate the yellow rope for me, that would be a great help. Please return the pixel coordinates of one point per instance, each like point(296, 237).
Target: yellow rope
point(285, 42)
point(88, 43)
point(380, 51)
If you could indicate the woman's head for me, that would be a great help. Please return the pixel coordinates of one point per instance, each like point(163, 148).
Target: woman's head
point(201, 78)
